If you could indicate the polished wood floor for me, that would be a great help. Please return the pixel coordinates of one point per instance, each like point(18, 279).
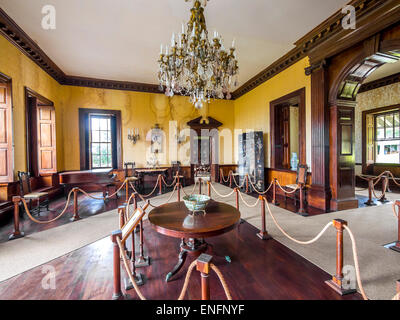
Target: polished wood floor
point(259, 270)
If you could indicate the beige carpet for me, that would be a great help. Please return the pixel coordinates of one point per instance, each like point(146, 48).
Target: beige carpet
point(373, 227)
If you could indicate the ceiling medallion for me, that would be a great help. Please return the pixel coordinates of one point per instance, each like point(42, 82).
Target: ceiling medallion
point(196, 67)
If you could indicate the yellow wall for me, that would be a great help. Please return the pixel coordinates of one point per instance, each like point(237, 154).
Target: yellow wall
point(252, 109)
point(138, 110)
point(24, 72)
point(142, 110)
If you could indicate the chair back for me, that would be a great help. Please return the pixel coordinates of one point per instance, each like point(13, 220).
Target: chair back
point(24, 182)
point(176, 168)
point(127, 165)
point(302, 170)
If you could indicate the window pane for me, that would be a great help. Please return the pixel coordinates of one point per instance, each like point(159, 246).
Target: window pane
point(396, 120)
point(380, 122)
point(380, 133)
point(95, 136)
point(109, 149)
point(397, 132)
point(104, 148)
point(95, 161)
point(104, 124)
point(95, 123)
point(104, 136)
point(95, 148)
point(388, 152)
point(389, 120)
point(104, 161)
point(389, 132)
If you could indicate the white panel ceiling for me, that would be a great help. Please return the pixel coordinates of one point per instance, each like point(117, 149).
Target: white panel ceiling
point(120, 39)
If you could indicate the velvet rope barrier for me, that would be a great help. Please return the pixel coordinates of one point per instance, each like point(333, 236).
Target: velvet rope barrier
point(187, 277)
point(106, 197)
point(48, 221)
point(287, 192)
point(194, 188)
point(221, 195)
point(173, 182)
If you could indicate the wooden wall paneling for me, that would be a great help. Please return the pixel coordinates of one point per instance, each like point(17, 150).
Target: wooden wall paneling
point(6, 134)
point(46, 142)
point(320, 194)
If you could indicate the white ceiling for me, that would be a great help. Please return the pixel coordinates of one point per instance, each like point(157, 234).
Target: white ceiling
point(120, 39)
point(386, 70)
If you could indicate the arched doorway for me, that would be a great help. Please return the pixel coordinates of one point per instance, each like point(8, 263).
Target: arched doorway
point(347, 72)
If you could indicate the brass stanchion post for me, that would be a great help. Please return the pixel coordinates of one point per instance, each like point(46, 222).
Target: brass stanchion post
point(117, 294)
point(263, 234)
point(76, 216)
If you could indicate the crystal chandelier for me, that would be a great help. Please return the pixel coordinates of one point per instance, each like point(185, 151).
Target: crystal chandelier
point(196, 67)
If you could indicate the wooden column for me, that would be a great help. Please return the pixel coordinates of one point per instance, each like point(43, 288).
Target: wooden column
point(319, 193)
point(337, 280)
point(203, 265)
point(117, 294)
point(209, 188)
point(76, 216)
point(263, 234)
point(17, 233)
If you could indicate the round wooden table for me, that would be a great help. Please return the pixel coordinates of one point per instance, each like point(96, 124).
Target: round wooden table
point(175, 220)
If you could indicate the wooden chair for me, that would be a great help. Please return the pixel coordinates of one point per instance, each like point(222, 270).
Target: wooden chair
point(176, 171)
point(136, 179)
point(301, 182)
point(41, 198)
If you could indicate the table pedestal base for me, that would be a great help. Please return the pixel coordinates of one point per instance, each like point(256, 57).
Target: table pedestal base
point(193, 247)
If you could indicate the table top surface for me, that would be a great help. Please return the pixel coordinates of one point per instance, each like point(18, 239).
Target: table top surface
point(175, 220)
point(151, 170)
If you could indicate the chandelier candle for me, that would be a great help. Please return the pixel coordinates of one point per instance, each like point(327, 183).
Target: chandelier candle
point(195, 66)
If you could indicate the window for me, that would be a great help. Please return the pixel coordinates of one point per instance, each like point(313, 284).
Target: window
point(387, 138)
point(100, 142)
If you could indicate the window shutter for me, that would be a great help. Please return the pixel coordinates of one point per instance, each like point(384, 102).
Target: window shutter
point(46, 144)
point(6, 145)
point(370, 156)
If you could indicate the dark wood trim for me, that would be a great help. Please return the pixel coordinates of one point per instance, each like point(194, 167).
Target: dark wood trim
point(4, 77)
point(293, 98)
point(32, 96)
point(111, 84)
point(83, 112)
point(392, 79)
point(27, 46)
point(368, 10)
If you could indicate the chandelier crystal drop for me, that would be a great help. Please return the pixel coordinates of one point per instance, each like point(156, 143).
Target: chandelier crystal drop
point(194, 66)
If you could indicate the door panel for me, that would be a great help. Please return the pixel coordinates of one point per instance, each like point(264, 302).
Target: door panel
point(6, 147)
point(46, 144)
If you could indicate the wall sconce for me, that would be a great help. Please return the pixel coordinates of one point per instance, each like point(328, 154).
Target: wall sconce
point(133, 135)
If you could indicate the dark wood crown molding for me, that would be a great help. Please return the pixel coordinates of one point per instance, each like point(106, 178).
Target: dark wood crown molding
point(394, 78)
point(26, 45)
point(319, 35)
point(307, 44)
point(111, 84)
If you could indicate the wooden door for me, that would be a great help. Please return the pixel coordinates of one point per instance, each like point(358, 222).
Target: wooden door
point(46, 139)
point(6, 144)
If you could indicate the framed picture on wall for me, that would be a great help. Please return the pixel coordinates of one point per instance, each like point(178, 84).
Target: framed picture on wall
point(157, 140)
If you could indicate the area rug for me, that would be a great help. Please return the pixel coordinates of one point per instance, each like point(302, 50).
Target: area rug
point(373, 227)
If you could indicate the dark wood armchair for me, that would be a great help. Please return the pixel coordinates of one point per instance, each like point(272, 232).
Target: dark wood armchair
point(131, 173)
point(177, 171)
point(41, 198)
point(301, 183)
